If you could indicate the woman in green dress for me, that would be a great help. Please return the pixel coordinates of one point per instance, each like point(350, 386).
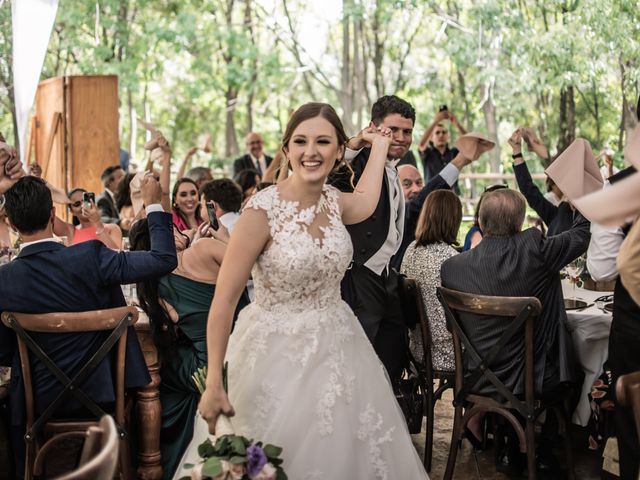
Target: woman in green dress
point(177, 306)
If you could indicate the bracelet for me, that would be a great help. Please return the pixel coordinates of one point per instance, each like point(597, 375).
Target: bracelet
point(517, 155)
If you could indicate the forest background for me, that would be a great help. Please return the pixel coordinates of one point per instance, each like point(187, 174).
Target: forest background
point(568, 68)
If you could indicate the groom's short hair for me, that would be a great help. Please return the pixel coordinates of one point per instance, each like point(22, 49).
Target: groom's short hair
point(390, 104)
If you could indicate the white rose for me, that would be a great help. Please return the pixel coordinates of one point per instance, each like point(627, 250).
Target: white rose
point(236, 471)
point(268, 472)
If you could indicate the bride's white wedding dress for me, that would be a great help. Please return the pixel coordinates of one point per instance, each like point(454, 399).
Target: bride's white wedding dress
point(302, 374)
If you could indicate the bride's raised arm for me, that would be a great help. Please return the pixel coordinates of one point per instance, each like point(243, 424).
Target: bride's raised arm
point(250, 236)
point(361, 203)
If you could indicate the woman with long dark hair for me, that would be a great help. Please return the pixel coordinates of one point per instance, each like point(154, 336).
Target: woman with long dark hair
point(177, 306)
point(185, 205)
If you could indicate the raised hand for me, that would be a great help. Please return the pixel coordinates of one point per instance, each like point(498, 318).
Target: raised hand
point(515, 141)
point(359, 141)
point(10, 167)
point(151, 191)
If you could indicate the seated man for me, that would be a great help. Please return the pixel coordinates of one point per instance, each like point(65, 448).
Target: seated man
point(226, 196)
point(47, 277)
point(510, 262)
point(411, 181)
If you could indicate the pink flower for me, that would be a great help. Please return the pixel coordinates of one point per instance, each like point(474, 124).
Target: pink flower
point(236, 471)
point(225, 470)
point(196, 472)
point(268, 472)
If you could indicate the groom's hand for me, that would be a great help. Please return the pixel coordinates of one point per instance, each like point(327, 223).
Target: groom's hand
point(214, 402)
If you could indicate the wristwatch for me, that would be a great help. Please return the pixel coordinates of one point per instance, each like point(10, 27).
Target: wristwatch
point(517, 155)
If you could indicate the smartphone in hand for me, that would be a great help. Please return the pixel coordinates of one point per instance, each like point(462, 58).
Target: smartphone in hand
point(88, 198)
point(443, 108)
point(213, 219)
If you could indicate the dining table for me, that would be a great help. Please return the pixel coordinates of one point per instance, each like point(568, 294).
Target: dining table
point(589, 328)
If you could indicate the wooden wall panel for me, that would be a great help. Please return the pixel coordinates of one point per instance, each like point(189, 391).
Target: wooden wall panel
point(87, 139)
point(92, 119)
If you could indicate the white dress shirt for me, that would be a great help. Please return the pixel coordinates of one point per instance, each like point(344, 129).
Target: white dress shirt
point(602, 252)
point(260, 164)
point(228, 220)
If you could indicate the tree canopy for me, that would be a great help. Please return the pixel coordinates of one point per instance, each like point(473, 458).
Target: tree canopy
point(225, 67)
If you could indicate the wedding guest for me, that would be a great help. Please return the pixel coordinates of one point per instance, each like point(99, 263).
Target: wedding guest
point(557, 218)
point(474, 235)
point(511, 262)
point(106, 202)
point(200, 175)
point(177, 305)
point(411, 181)
point(186, 205)
point(434, 144)
point(255, 158)
point(436, 234)
point(87, 224)
point(248, 180)
point(82, 277)
point(554, 194)
point(226, 197)
point(123, 203)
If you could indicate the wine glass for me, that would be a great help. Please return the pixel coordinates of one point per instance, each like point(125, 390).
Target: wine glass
point(573, 270)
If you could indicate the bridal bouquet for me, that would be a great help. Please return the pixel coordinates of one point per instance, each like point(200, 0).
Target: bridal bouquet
point(231, 456)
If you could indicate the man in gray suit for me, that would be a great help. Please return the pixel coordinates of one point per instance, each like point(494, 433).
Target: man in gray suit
point(510, 262)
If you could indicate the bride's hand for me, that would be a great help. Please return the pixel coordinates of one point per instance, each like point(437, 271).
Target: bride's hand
point(214, 402)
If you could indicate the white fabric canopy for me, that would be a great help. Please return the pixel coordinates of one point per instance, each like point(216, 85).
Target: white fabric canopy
point(32, 24)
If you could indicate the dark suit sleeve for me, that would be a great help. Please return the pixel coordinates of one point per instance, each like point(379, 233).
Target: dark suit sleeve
point(344, 178)
point(546, 210)
point(130, 267)
point(559, 250)
point(106, 213)
point(237, 166)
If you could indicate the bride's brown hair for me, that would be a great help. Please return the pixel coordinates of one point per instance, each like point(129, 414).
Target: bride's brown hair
point(312, 110)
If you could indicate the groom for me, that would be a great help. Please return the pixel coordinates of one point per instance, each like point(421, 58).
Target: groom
point(370, 286)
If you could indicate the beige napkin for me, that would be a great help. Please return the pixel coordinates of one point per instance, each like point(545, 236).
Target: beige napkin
point(533, 142)
point(613, 206)
point(473, 144)
point(153, 143)
point(136, 192)
point(205, 145)
point(576, 171)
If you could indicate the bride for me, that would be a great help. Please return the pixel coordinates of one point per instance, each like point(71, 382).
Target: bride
point(301, 372)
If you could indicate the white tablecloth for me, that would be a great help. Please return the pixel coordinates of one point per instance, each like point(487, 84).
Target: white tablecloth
point(590, 334)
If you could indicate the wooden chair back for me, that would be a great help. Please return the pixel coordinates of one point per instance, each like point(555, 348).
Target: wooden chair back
point(628, 394)
point(424, 366)
point(523, 311)
point(99, 457)
point(116, 320)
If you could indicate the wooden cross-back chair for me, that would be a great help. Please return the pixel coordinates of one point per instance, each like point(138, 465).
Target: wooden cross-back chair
point(524, 311)
point(424, 366)
point(99, 457)
point(115, 320)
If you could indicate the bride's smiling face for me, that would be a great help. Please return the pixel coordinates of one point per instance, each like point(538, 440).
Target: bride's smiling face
point(313, 150)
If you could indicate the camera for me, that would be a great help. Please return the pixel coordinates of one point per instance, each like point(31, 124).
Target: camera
point(442, 108)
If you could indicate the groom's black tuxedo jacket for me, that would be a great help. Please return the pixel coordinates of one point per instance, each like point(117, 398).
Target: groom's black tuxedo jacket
point(369, 235)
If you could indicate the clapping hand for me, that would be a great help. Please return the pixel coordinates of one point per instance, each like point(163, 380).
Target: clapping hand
point(151, 190)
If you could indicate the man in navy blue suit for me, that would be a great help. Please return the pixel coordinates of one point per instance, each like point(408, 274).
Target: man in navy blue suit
point(46, 277)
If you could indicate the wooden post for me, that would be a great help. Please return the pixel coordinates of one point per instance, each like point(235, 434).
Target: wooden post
point(149, 408)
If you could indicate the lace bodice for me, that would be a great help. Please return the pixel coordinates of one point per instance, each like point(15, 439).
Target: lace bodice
point(303, 265)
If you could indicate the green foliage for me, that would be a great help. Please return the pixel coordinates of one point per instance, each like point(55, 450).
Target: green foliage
point(179, 61)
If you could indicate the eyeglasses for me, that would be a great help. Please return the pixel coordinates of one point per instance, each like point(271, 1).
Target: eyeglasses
point(76, 204)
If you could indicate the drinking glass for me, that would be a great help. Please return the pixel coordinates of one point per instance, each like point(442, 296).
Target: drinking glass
point(574, 269)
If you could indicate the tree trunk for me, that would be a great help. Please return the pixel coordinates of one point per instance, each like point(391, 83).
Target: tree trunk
point(248, 21)
point(231, 141)
point(567, 119)
point(346, 80)
point(489, 109)
point(133, 130)
point(462, 89)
